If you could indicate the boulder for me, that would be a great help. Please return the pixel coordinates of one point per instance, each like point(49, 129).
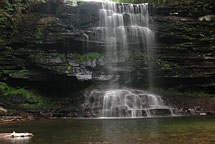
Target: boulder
point(2, 110)
point(208, 18)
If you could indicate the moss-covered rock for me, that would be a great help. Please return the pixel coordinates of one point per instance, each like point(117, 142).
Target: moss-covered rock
point(2, 111)
point(21, 97)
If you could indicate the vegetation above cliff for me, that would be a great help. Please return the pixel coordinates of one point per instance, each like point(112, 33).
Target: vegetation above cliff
point(15, 15)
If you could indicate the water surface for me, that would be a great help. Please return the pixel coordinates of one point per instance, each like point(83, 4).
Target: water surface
point(177, 130)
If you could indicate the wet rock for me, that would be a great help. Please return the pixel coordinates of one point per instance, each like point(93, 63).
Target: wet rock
point(2, 110)
point(30, 117)
point(19, 75)
point(31, 101)
point(13, 118)
point(58, 115)
point(191, 111)
point(210, 113)
point(87, 114)
point(75, 114)
point(202, 114)
point(208, 18)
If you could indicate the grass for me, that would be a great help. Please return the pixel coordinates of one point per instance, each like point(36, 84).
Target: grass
point(26, 95)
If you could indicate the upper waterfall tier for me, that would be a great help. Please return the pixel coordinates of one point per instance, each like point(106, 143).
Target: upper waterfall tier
point(119, 24)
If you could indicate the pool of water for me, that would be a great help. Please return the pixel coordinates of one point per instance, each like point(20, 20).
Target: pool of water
point(176, 130)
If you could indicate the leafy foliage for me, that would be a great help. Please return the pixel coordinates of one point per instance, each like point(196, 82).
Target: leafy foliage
point(1, 40)
point(88, 56)
point(23, 94)
point(13, 15)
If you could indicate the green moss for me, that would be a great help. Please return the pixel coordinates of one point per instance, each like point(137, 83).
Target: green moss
point(187, 37)
point(38, 34)
point(65, 68)
point(62, 56)
point(27, 95)
point(35, 58)
point(206, 39)
point(1, 41)
point(23, 71)
point(13, 71)
point(189, 29)
point(28, 105)
point(54, 54)
point(8, 48)
point(3, 87)
point(69, 68)
point(183, 46)
point(175, 76)
point(141, 59)
point(2, 18)
point(1, 74)
point(88, 56)
point(164, 65)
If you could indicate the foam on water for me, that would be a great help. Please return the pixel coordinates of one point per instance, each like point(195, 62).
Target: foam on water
point(126, 103)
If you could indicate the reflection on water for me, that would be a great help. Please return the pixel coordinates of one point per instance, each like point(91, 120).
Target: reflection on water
point(21, 140)
point(186, 130)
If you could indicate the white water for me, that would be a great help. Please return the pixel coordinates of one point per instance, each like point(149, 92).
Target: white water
point(121, 27)
point(126, 103)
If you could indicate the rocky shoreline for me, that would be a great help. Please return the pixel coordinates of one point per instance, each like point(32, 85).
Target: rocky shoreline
point(18, 119)
point(183, 107)
point(12, 119)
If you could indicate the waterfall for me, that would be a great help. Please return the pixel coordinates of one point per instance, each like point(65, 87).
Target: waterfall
point(126, 103)
point(121, 28)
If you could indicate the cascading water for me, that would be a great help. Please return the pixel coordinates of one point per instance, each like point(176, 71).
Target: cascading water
point(125, 103)
point(121, 28)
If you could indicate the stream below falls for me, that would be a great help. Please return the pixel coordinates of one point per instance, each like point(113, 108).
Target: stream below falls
point(172, 130)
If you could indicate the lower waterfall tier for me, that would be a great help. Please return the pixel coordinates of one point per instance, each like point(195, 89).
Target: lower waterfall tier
point(127, 103)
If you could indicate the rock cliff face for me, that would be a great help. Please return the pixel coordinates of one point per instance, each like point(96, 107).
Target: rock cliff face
point(50, 53)
point(57, 46)
point(185, 52)
point(186, 44)
point(53, 50)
